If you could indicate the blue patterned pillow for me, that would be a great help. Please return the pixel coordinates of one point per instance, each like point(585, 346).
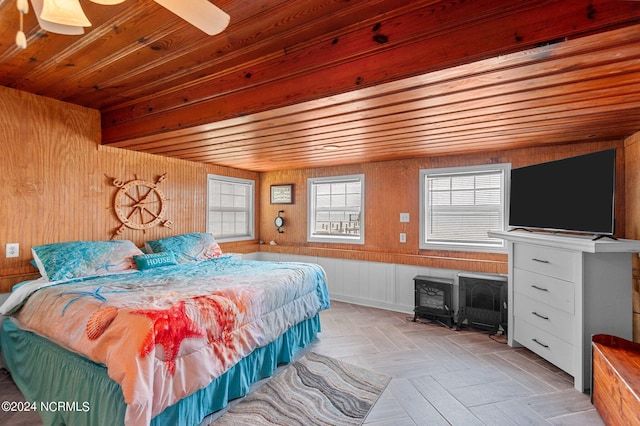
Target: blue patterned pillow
point(79, 259)
point(193, 247)
point(153, 260)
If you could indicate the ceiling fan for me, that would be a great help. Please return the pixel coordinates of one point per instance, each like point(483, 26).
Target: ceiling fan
point(67, 16)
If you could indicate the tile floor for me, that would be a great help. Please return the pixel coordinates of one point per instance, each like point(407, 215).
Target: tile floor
point(439, 376)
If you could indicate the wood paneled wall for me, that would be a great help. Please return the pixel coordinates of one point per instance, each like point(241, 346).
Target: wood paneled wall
point(393, 188)
point(56, 186)
point(56, 181)
point(632, 207)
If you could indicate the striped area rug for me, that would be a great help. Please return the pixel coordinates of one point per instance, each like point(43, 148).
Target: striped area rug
point(315, 390)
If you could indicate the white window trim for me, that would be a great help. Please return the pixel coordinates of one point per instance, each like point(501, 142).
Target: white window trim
point(345, 239)
point(252, 185)
point(500, 246)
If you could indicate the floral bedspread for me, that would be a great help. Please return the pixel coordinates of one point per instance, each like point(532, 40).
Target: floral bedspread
point(167, 332)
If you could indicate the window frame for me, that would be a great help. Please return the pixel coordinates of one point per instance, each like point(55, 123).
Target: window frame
point(498, 245)
point(251, 219)
point(311, 202)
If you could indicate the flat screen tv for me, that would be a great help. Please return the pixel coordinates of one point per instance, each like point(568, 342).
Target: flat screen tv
point(573, 194)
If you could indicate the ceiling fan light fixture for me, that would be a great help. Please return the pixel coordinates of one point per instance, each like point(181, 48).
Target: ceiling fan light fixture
point(51, 26)
point(64, 12)
point(107, 2)
point(67, 17)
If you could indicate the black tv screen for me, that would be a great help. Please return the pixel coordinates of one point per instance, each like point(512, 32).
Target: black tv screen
point(574, 194)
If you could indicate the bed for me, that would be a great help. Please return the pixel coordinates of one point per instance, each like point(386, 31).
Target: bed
point(164, 337)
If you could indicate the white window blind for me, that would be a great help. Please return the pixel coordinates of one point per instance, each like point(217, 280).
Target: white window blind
point(336, 209)
point(461, 205)
point(230, 213)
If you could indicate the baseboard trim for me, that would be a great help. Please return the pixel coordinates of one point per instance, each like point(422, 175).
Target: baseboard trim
point(372, 303)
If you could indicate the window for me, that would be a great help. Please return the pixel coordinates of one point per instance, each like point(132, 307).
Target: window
point(336, 209)
point(458, 206)
point(230, 212)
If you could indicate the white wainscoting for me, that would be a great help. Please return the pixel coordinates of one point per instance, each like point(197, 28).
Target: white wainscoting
point(381, 285)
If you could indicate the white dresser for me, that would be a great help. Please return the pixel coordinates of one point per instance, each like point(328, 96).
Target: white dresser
point(562, 290)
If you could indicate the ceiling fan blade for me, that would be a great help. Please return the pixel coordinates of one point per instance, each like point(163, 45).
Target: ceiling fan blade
point(199, 13)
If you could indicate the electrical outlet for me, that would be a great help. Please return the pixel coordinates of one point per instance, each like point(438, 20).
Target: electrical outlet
point(12, 250)
point(404, 217)
point(403, 237)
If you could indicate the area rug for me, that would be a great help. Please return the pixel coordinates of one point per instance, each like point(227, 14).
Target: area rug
point(315, 390)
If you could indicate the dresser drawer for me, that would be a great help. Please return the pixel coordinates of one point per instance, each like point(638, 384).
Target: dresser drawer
point(547, 318)
point(549, 347)
point(551, 291)
point(544, 260)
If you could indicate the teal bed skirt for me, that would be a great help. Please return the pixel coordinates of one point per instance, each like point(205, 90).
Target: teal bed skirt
point(48, 374)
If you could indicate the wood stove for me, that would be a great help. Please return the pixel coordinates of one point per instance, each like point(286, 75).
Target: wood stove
point(433, 299)
point(483, 301)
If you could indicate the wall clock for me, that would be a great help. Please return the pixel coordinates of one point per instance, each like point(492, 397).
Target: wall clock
point(279, 222)
point(140, 204)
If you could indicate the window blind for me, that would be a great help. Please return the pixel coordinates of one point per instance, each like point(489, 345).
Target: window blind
point(336, 208)
point(230, 208)
point(461, 207)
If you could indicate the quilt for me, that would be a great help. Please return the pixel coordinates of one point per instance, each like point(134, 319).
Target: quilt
point(166, 332)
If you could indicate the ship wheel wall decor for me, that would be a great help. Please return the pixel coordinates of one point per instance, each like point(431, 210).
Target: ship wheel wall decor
point(139, 204)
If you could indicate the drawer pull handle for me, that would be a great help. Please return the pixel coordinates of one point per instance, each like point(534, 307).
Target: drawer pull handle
point(540, 343)
point(540, 260)
point(540, 316)
point(539, 288)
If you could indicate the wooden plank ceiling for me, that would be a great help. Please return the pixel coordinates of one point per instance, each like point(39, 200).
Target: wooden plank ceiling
point(313, 83)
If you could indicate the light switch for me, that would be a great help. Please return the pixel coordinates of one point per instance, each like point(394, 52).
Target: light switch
point(404, 217)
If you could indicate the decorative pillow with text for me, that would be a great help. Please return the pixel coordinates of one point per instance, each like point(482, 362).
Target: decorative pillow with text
point(154, 260)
